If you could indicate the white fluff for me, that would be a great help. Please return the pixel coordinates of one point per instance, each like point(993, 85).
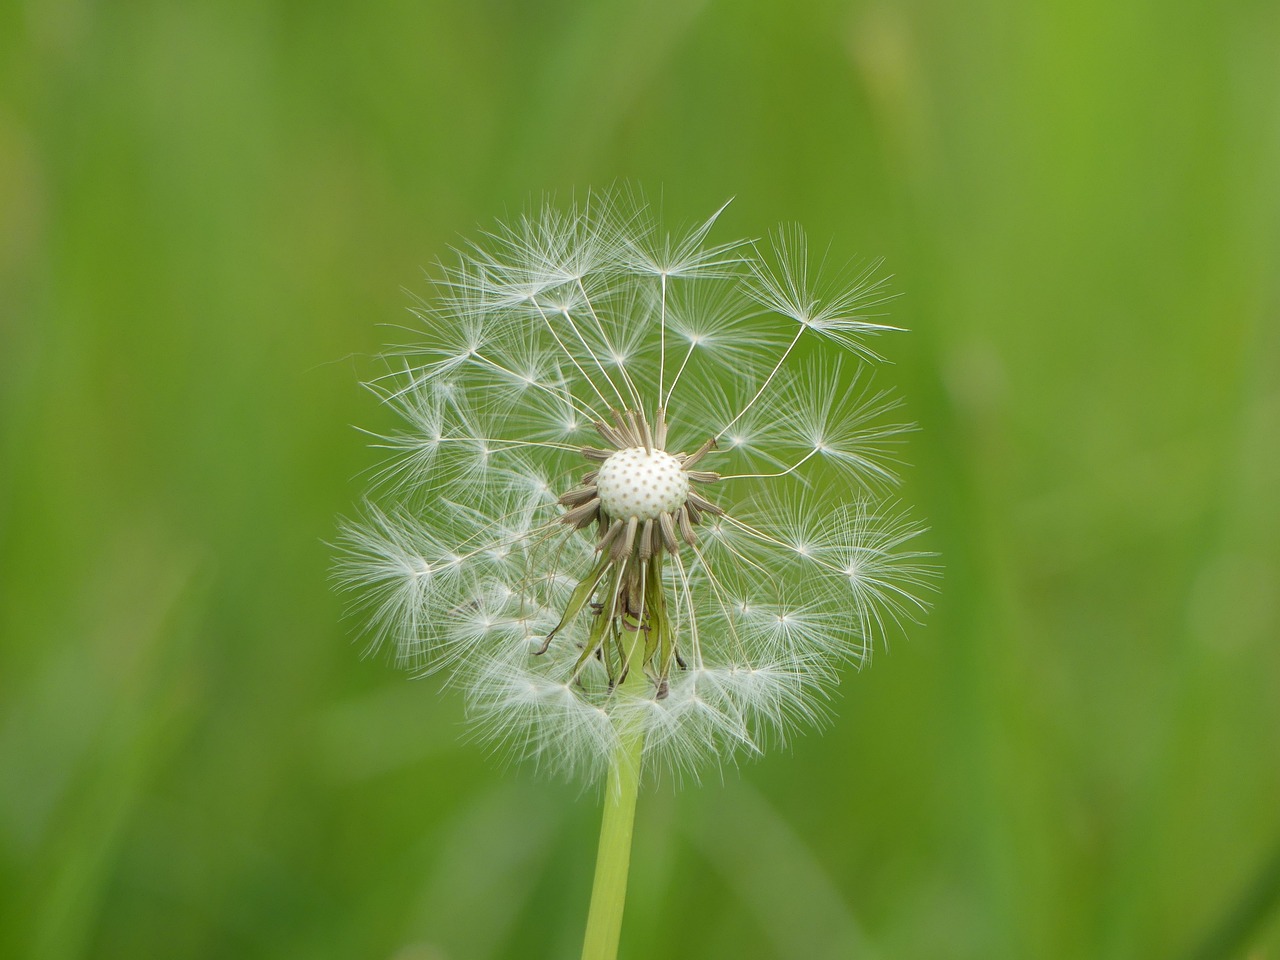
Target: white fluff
point(548, 324)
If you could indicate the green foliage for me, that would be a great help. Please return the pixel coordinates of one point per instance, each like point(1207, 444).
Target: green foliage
point(207, 209)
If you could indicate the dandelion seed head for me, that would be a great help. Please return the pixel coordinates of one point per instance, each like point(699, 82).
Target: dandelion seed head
point(623, 502)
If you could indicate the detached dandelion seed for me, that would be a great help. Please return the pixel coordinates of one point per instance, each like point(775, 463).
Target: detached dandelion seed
point(637, 512)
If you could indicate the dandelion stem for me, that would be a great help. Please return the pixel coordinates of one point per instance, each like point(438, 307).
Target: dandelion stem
point(613, 859)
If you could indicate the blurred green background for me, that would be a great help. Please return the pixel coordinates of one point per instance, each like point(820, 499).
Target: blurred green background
point(209, 212)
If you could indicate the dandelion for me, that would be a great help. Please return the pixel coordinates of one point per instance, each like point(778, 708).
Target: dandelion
point(638, 510)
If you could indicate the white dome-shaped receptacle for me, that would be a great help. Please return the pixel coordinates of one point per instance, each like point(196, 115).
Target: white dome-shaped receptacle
point(639, 483)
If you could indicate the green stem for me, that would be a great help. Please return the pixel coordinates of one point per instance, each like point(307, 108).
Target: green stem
point(613, 860)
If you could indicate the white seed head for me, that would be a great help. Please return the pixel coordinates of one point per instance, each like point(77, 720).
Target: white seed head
point(641, 483)
point(626, 499)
